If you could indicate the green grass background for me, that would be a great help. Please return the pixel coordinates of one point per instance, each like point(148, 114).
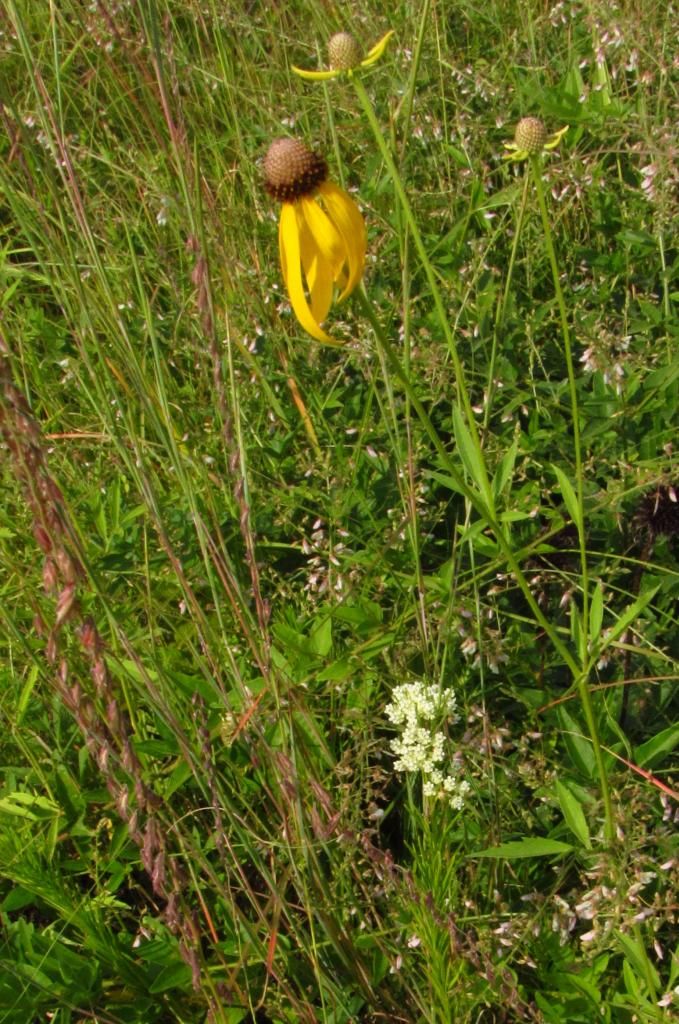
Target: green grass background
point(223, 545)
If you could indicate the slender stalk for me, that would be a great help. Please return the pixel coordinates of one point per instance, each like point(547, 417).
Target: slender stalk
point(582, 677)
point(484, 503)
point(414, 68)
point(466, 491)
point(441, 312)
point(502, 308)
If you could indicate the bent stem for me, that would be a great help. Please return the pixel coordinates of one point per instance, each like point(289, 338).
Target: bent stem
point(582, 676)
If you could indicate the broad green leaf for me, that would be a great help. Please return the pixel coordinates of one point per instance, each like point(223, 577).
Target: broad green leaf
point(336, 670)
point(573, 814)
point(569, 496)
point(176, 975)
point(523, 848)
point(320, 638)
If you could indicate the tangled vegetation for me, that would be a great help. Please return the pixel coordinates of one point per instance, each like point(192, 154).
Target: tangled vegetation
point(339, 680)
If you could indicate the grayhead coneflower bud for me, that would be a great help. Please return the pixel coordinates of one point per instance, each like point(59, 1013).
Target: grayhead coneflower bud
point(344, 52)
point(530, 135)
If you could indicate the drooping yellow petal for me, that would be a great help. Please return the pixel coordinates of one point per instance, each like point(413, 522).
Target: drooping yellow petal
point(347, 218)
point(317, 271)
point(377, 50)
point(326, 237)
point(281, 250)
point(291, 263)
point(316, 76)
point(320, 289)
point(556, 138)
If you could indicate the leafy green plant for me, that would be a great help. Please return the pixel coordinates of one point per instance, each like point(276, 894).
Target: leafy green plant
point(227, 550)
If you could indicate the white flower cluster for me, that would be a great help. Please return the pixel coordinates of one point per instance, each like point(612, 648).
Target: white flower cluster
point(417, 709)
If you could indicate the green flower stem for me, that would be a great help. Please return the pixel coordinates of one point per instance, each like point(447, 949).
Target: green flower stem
point(483, 503)
point(431, 280)
point(502, 308)
point(582, 676)
point(467, 492)
point(414, 68)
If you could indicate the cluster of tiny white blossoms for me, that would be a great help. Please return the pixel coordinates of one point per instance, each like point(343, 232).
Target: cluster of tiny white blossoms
point(418, 710)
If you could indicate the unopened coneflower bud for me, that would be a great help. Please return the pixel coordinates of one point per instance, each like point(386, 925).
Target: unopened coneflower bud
point(344, 52)
point(292, 170)
point(530, 135)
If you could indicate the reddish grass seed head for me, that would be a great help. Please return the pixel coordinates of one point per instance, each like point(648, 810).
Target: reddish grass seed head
point(292, 170)
point(530, 134)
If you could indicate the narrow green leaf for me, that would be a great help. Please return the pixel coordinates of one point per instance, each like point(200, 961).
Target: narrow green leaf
point(26, 692)
point(654, 751)
point(596, 614)
point(569, 496)
point(445, 481)
point(629, 615)
point(523, 848)
point(505, 470)
point(467, 451)
point(578, 746)
point(27, 805)
point(639, 959)
point(573, 814)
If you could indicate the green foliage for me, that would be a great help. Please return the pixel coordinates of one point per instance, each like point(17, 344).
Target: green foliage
point(223, 546)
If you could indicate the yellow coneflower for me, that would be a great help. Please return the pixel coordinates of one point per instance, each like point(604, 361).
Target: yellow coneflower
point(321, 233)
point(344, 55)
point(531, 138)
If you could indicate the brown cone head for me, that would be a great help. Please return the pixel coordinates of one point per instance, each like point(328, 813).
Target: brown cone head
point(530, 134)
point(344, 52)
point(292, 170)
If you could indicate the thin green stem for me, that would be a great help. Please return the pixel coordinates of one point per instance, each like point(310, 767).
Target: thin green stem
point(467, 492)
point(483, 502)
point(582, 676)
point(502, 308)
point(414, 68)
point(462, 391)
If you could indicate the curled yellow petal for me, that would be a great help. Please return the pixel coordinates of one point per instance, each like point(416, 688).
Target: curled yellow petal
point(347, 218)
point(291, 264)
point(315, 76)
point(377, 50)
point(556, 138)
